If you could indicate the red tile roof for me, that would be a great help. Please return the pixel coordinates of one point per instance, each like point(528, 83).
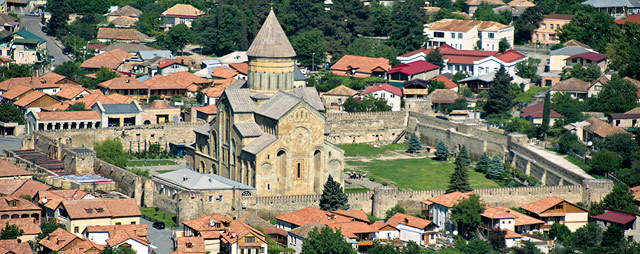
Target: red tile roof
point(362, 64)
point(385, 87)
point(209, 110)
point(21, 205)
point(635, 18)
point(123, 83)
point(409, 220)
point(223, 73)
point(310, 214)
point(536, 111)
point(203, 222)
point(67, 115)
point(167, 62)
point(30, 98)
point(12, 246)
point(447, 82)
point(118, 99)
point(450, 199)
point(412, 68)
point(510, 55)
point(15, 91)
point(110, 59)
point(30, 226)
point(616, 217)
point(592, 56)
point(465, 60)
point(121, 34)
point(349, 229)
point(101, 208)
point(21, 187)
point(193, 245)
point(183, 10)
point(544, 204)
point(559, 16)
point(178, 80)
point(240, 67)
point(96, 46)
point(70, 91)
point(356, 214)
point(7, 169)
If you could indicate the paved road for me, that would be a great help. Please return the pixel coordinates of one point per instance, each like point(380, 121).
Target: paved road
point(10, 143)
point(159, 238)
point(33, 25)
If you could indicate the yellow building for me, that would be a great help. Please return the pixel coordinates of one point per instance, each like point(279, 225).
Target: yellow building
point(546, 31)
point(76, 215)
point(269, 135)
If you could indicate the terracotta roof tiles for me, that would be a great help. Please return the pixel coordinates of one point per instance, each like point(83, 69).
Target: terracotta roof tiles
point(310, 214)
point(203, 222)
point(459, 25)
point(349, 229)
point(362, 64)
point(178, 80)
point(523, 3)
point(183, 10)
point(443, 96)
point(409, 220)
point(240, 67)
point(57, 239)
point(447, 82)
point(356, 214)
point(110, 59)
point(193, 245)
point(101, 208)
point(303, 231)
point(15, 92)
point(29, 98)
point(450, 199)
point(118, 99)
point(123, 83)
point(67, 115)
point(386, 87)
point(7, 169)
point(70, 91)
point(12, 246)
point(209, 110)
point(542, 205)
point(121, 34)
point(19, 187)
point(490, 2)
point(341, 90)
point(223, 73)
point(571, 85)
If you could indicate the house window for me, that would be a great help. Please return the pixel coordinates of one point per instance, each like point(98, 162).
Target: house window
point(118, 223)
point(574, 60)
point(249, 239)
point(210, 199)
point(438, 34)
point(491, 35)
point(20, 54)
point(392, 95)
point(459, 35)
point(544, 37)
point(339, 101)
point(299, 170)
point(133, 222)
point(382, 95)
point(544, 26)
point(551, 25)
point(76, 230)
point(453, 35)
point(220, 199)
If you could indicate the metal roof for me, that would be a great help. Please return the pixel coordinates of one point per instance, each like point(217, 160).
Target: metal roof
point(248, 129)
point(192, 180)
point(150, 54)
point(259, 143)
point(310, 95)
point(240, 100)
point(485, 78)
point(271, 40)
point(568, 51)
point(238, 84)
point(612, 3)
point(278, 105)
point(120, 109)
point(298, 75)
point(203, 129)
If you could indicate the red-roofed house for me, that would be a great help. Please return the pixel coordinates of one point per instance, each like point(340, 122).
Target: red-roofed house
point(166, 67)
point(415, 70)
point(125, 86)
point(553, 209)
point(587, 58)
point(180, 14)
point(62, 120)
point(629, 222)
point(508, 59)
point(534, 114)
point(635, 18)
point(387, 92)
point(178, 84)
point(438, 208)
point(421, 231)
point(361, 67)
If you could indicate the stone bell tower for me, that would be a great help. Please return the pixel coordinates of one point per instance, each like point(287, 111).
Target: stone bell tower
point(271, 59)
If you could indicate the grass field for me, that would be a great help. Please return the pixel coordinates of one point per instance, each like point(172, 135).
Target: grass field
point(416, 174)
point(151, 214)
point(163, 171)
point(144, 163)
point(365, 150)
point(356, 190)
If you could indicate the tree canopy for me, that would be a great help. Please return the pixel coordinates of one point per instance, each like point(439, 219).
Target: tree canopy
point(459, 180)
point(466, 215)
point(620, 198)
point(333, 198)
point(499, 98)
point(592, 28)
point(406, 26)
point(9, 113)
point(326, 240)
point(11, 231)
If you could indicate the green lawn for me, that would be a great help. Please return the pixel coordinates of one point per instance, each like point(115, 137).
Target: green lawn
point(356, 190)
point(151, 214)
point(143, 163)
point(365, 150)
point(164, 171)
point(417, 174)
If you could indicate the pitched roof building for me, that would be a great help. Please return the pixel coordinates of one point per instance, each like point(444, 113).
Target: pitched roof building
point(78, 214)
point(106, 34)
point(110, 59)
point(554, 209)
point(10, 171)
point(361, 66)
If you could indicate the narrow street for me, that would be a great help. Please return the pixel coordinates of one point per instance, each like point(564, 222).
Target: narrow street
point(33, 25)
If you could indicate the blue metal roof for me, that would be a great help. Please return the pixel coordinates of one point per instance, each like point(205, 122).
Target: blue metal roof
point(120, 109)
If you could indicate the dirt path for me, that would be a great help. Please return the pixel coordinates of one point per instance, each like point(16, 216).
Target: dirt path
point(392, 155)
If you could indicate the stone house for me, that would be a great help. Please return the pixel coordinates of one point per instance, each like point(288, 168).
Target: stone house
point(629, 119)
point(545, 33)
point(534, 114)
point(361, 67)
point(587, 58)
point(62, 120)
point(472, 5)
point(414, 70)
point(510, 221)
point(334, 98)
point(127, 86)
point(77, 215)
point(119, 115)
point(467, 34)
point(417, 88)
point(180, 14)
point(391, 94)
point(126, 16)
point(160, 111)
point(442, 97)
point(182, 84)
point(59, 240)
point(617, 9)
point(127, 35)
point(9, 171)
point(557, 57)
point(298, 235)
point(576, 88)
point(14, 208)
point(596, 86)
point(423, 232)
point(133, 235)
point(111, 59)
point(438, 209)
point(269, 136)
point(553, 209)
point(629, 222)
point(223, 235)
point(49, 200)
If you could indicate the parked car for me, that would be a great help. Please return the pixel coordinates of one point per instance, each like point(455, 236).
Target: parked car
point(158, 225)
point(45, 29)
point(34, 14)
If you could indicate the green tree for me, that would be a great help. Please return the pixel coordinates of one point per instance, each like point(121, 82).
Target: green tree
point(11, 231)
point(569, 143)
point(435, 84)
point(219, 34)
point(118, 250)
point(442, 151)
point(560, 232)
point(333, 198)
point(391, 212)
point(310, 47)
point(623, 52)
point(527, 247)
point(620, 198)
point(78, 106)
point(604, 161)
point(301, 15)
point(414, 143)
point(568, 107)
point(464, 156)
point(483, 164)
point(499, 98)
point(503, 45)
point(70, 69)
point(616, 97)
point(380, 18)
point(57, 24)
point(495, 168)
point(435, 57)
point(546, 111)
point(49, 226)
point(613, 236)
point(465, 215)
point(413, 248)
point(111, 151)
point(485, 12)
point(622, 144)
point(528, 69)
point(372, 48)
point(586, 237)
point(150, 21)
point(15, 71)
point(382, 249)
point(587, 74)
point(526, 23)
point(592, 28)
point(521, 125)
point(459, 180)
point(366, 104)
point(9, 113)
point(343, 22)
point(177, 38)
point(326, 241)
point(475, 246)
point(406, 26)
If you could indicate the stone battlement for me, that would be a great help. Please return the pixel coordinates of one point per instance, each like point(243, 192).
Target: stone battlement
point(359, 116)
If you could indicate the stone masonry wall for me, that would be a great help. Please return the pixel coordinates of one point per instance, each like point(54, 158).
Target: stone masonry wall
point(365, 127)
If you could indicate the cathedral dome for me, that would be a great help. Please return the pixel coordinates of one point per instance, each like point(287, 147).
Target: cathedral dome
point(271, 40)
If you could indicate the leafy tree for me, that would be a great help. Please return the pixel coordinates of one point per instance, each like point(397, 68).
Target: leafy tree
point(15, 71)
point(49, 226)
point(70, 69)
point(485, 12)
point(499, 98)
point(11, 231)
point(372, 48)
point(78, 106)
point(435, 84)
point(9, 113)
point(103, 74)
point(310, 47)
point(391, 212)
point(527, 247)
point(414, 143)
point(613, 236)
point(569, 143)
point(459, 76)
point(118, 250)
point(326, 241)
point(526, 23)
point(464, 156)
point(150, 21)
point(301, 15)
point(84, 28)
point(587, 74)
point(495, 168)
point(620, 198)
point(622, 51)
point(412, 248)
point(528, 69)
point(111, 151)
point(571, 109)
point(333, 198)
point(483, 164)
point(382, 249)
point(342, 23)
point(57, 24)
point(520, 125)
point(380, 18)
point(475, 246)
point(177, 38)
point(586, 237)
point(616, 97)
point(466, 215)
point(219, 33)
point(406, 26)
point(496, 238)
point(442, 151)
point(503, 45)
point(592, 28)
point(622, 144)
point(559, 232)
point(435, 57)
point(459, 180)
point(546, 111)
point(605, 161)
point(366, 104)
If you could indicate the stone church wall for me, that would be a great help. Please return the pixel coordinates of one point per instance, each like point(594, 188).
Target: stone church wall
point(365, 127)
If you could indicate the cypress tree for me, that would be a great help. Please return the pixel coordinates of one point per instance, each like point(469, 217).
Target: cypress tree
point(442, 151)
point(546, 111)
point(414, 143)
point(459, 180)
point(499, 99)
point(464, 156)
point(333, 198)
point(483, 164)
point(495, 168)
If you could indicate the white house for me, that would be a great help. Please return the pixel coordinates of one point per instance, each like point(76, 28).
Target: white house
point(439, 208)
point(423, 232)
point(508, 60)
point(386, 232)
point(467, 34)
point(389, 93)
point(298, 235)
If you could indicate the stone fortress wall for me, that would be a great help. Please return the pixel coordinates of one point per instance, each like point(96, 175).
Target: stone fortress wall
point(365, 127)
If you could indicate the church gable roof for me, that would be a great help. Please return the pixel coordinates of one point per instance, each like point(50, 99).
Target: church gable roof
point(310, 95)
point(240, 100)
point(259, 143)
point(278, 105)
point(271, 40)
point(248, 130)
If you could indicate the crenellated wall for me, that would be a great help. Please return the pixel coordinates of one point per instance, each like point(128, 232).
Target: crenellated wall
point(365, 127)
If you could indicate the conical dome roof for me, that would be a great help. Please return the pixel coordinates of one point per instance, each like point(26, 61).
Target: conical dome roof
point(271, 40)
